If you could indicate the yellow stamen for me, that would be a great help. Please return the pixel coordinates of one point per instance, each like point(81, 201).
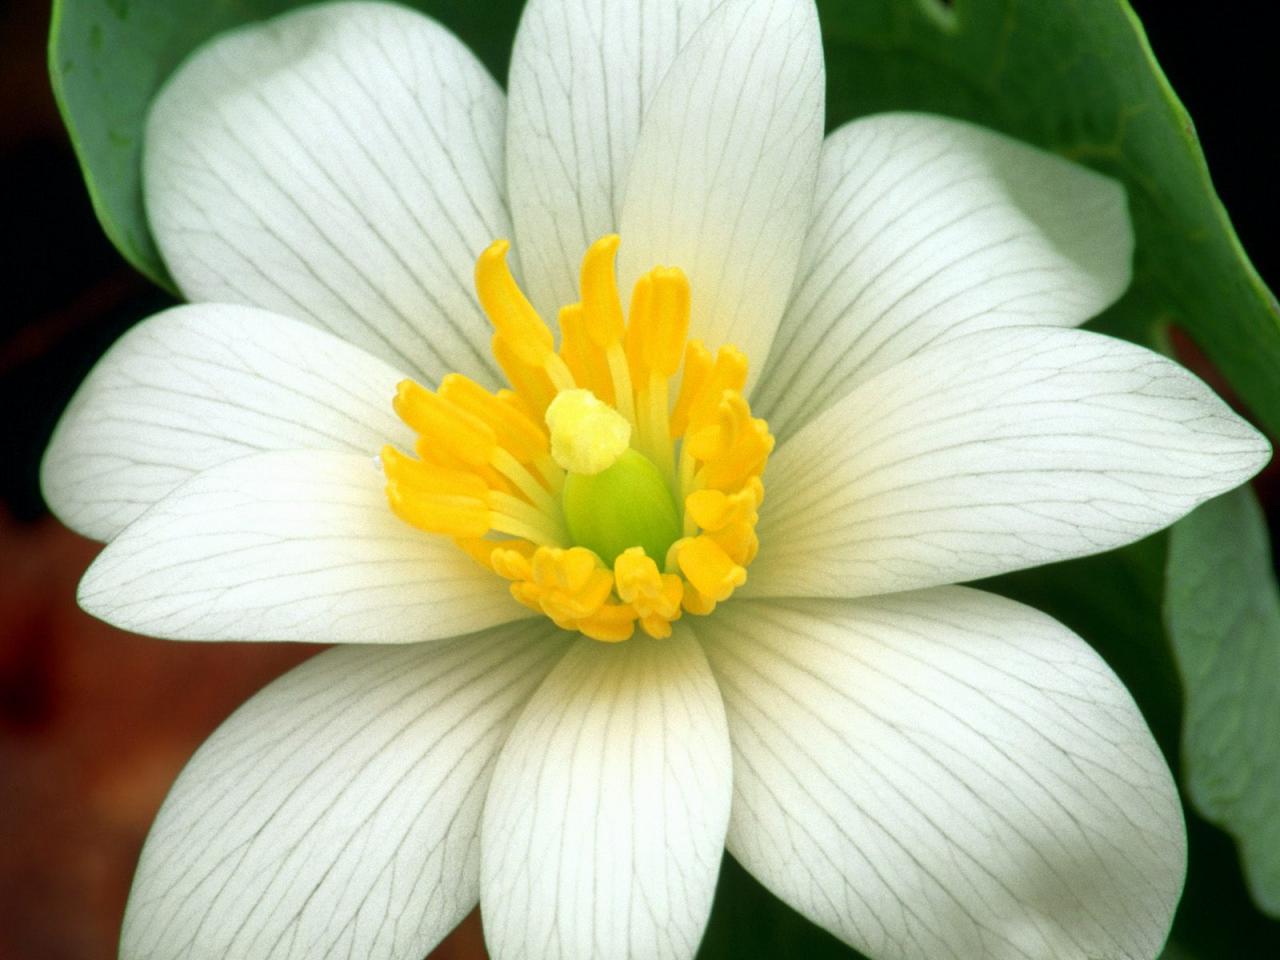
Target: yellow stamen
point(451, 502)
point(515, 430)
point(591, 449)
point(531, 383)
point(569, 586)
point(612, 623)
point(603, 324)
point(513, 317)
point(729, 372)
point(659, 324)
point(654, 596)
point(463, 435)
point(600, 299)
point(715, 509)
point(697, 371)
point(587, 363)
point(709, 568)
point(734, 446)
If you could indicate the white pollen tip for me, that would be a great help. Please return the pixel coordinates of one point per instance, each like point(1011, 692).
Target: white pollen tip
point(587, 435)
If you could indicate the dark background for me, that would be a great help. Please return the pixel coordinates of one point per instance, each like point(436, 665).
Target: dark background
point(95, 723)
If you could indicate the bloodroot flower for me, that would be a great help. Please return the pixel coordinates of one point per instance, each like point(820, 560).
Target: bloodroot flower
point(633, 532)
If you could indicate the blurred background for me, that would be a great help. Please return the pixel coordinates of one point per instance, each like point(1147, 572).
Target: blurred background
point(95, 723)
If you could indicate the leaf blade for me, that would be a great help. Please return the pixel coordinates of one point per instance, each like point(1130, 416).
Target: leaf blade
point(1222, 608)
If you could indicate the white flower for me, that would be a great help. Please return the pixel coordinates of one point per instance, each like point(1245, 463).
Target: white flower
point(926, 771)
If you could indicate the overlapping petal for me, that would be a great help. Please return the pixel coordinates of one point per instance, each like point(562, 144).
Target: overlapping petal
point(997, 451)
point(290, 546)
point(337, 812)
point(925, 229)
point(341, 164)
point(200, 385)
point(583, 73)
point(946, 774)
point(606, 817)
point(938, 773)
point(722, 180)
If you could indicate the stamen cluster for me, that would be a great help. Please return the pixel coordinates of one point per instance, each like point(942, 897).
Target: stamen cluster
point(485, 473)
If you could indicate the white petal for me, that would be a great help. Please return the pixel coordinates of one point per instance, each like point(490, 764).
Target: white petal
point(722, 180)
point(997, 451)
point(605, 821)
point(290, 546)
point(927, 228)
point(196, 386)
point(337, 813)
point(946, 774)
point(582, 74)
point(341, 164)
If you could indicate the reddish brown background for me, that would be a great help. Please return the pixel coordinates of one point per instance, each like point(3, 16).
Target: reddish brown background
point(94, 723)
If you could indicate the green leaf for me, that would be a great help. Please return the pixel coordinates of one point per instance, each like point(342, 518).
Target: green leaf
point(1223, 613)
point(1077, 77)
point(1175, 951)
point(107, 59)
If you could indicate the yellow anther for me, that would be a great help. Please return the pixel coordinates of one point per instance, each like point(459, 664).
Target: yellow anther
point(511, 398)
point(567, 585)
point(532, 383)
point(744, 458)
point(509, 310)
point(659, 322)
point(697, 369)
point(695, 602)
point(728, 373)
point(640, 584)
point(600, 302)
point(717, 435)
point(569, 570)
point(587, 435)
point(585, 360)
point(715, 509)
point(452, 502)
point(612, 623)
point(524, 438)
point(463, 434)
point(511, 562)
point(707, 566)
point(739, 541)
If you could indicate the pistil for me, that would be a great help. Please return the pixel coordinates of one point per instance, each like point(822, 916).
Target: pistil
point(625, 505)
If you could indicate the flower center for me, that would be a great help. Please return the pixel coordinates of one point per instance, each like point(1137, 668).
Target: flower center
point(618, 481)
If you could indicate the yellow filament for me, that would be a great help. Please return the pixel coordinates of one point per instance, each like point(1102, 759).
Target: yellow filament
point(495, 463)
point(523, 480)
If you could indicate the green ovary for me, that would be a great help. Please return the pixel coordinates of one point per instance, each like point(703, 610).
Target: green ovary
point(626, 505)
